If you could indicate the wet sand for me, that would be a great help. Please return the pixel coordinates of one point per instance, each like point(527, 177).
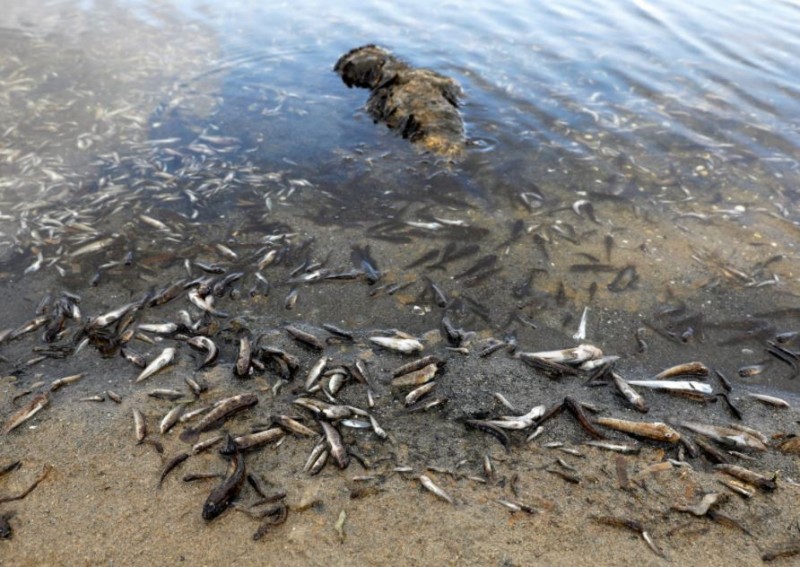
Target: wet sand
point(101, 504)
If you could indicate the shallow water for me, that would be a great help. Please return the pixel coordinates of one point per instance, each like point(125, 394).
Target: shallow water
point(598, 137)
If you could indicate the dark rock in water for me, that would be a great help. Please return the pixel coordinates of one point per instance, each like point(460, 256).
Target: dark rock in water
point(420, 103)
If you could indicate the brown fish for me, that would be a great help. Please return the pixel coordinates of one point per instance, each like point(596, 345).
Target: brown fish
point(651, 430)
point(25, 413)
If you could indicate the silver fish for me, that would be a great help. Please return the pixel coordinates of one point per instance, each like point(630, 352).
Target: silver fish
point(140, 425)
point(575, 355)
point(171, 418)
point(687, 385)
point(433, 488)
point(635, 399)
point(163, 360)
point(404, 345)
point(337, 447)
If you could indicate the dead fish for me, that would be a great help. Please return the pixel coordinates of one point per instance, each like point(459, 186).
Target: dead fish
point(165, 394)
point(573, 356)
point(751, 370)
point(651, 430)
point(403, 345)
point(291, 299)
point(416, 377)
point(434, 489)
point(159, 328)
point(675, 386)
point(335, 444)
point(580, 334)
point(756, 479)
point(140, 425)
point(23, 414)
point(245, 442)
point(616, 447)
point(633, 397)
point(243, 366)
point(93, 247)
point(106, 319)
point(171, 418)
point(224, 493)
point(205, 303)
point(56, 384)
point(163, 360)
point(770, 400)
point(205, 344)
point(418, 393)
point(171, 464)
point(517, 422)
point(725, 435)
point(294, 426)
point(687, 369)
point(205, 444)
point(417, 364)
point(133, 357)
point(306, 338)
point(315, 372)
point(222, 410)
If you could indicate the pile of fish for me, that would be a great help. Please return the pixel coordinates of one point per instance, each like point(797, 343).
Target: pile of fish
point(324, 365)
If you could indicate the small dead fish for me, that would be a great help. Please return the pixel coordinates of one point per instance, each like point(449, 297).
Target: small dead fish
point(580, 334)
point(725, 435)
point(434, 489)
point(335, 444)
point(687, 369)
point(652, 430)
point(246, 442)
point(573, 356)
point(23, 414)
point(205, 344)
point(133, 357)
point(405, 346)
point(306, 338)
point(222, 410)
point(675, 386)
point(418, 393)
point(294, 426)
point(171, 464)
point(633, 397)
point(291, 299)
point(56, 384)
point(751, 370)
point(770, 400)
point(315, 372)
point(165, 394)
point(139, 425)
point(616, 447)
point(243, 365)
point(171, 418)
point(756, 479)
point(163, 360)
point(416, 377)
point(224, 493)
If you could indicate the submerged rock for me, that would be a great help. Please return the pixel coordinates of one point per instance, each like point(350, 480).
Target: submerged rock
point(421, 104)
